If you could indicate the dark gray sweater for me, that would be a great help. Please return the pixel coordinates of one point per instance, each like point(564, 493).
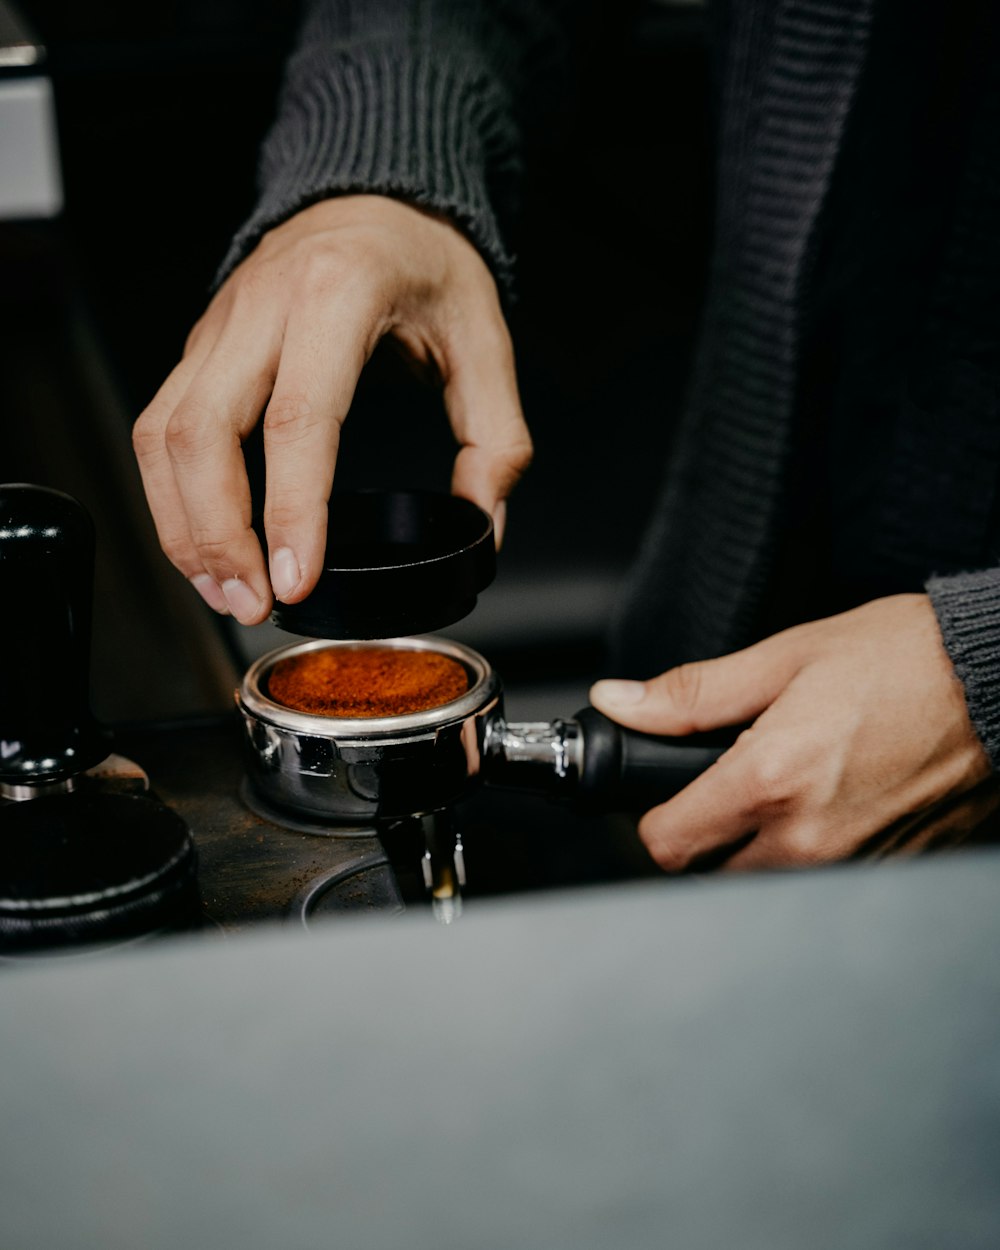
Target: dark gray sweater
point(842, 437)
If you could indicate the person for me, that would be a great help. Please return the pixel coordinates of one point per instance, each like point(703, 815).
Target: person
point(821, 565)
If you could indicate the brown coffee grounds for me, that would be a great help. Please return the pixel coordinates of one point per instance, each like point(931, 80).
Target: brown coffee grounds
point(366, 681)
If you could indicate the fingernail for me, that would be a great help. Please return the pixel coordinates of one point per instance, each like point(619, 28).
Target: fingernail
point(209, 590)
point(613, 690)
point(499, 522)
point(285, 574)
point(243, 600)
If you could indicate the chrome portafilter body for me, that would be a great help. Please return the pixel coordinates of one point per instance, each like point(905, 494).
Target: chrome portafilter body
point(355, 770)
point(343, 776)
point(347, 770)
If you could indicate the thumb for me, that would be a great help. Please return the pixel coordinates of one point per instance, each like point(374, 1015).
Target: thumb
point(707, 694)
point(485, 413)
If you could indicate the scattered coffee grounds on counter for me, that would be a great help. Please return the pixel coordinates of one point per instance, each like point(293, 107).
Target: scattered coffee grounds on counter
point(366, 681)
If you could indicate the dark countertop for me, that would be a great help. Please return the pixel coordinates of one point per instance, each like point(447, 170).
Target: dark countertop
point(253, 870)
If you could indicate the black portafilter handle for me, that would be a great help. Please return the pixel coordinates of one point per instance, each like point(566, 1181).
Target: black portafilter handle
point(596, 764)
point(625, 770)
point(47, 731)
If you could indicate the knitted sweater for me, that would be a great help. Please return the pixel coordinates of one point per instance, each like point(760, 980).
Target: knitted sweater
point(842, 435)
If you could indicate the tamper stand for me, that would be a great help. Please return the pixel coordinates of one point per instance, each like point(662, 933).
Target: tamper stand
point(89, 855)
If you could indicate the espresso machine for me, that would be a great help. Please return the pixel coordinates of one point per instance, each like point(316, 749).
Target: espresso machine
point(317, 813)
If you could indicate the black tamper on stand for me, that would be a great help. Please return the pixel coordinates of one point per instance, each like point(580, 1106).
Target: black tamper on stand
point(79, 861)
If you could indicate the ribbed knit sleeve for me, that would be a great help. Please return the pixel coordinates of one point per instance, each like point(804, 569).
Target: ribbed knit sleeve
point(417, 99)
point(968, 611)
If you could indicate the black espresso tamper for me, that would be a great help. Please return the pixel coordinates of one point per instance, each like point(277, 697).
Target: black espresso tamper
point(396, 563)
point(82, 859)
point(47, 733)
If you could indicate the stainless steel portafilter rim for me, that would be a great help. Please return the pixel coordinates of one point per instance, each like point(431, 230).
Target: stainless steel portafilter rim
point(253, 698)
point(361, 769)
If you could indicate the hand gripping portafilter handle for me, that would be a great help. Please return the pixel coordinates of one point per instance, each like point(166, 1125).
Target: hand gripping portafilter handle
point(627, 770)
point(47, 731)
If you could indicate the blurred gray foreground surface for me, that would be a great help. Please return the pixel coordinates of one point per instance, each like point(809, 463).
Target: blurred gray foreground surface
point(808, 1061)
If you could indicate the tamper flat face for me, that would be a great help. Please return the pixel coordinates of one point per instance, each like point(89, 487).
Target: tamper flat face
point(397, 563)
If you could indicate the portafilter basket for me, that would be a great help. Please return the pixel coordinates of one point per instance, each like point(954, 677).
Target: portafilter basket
point(353, 770)
point(363, 769)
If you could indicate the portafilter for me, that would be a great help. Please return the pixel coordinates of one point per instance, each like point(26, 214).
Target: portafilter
point(351, 770)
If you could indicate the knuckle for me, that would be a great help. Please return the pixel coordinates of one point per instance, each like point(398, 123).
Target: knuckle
point(179, 551)
point(803, 846)
point(666, 855)
point(323, 270)
point(249, 281)
point(289, 416)
point(189, 434)
point(669, 858)
point(283, 514)
point(216, 550)
point(195, 334)
point(509, 464)
point(682, 686)
point(521, 453)
point(147, 437)
point(775, 780)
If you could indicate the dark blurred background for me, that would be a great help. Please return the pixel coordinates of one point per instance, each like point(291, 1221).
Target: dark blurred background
point(159, 113)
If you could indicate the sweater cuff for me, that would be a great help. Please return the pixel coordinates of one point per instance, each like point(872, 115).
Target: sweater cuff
point(392, 122)
point(968, 611)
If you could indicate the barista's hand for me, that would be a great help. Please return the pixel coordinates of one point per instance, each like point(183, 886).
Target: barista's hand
point(860, 744)
point(287, 336)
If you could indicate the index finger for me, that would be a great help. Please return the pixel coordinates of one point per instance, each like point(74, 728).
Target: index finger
point(323, 354)
point(204, 441)
point(715, 814)
point(150, 444)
